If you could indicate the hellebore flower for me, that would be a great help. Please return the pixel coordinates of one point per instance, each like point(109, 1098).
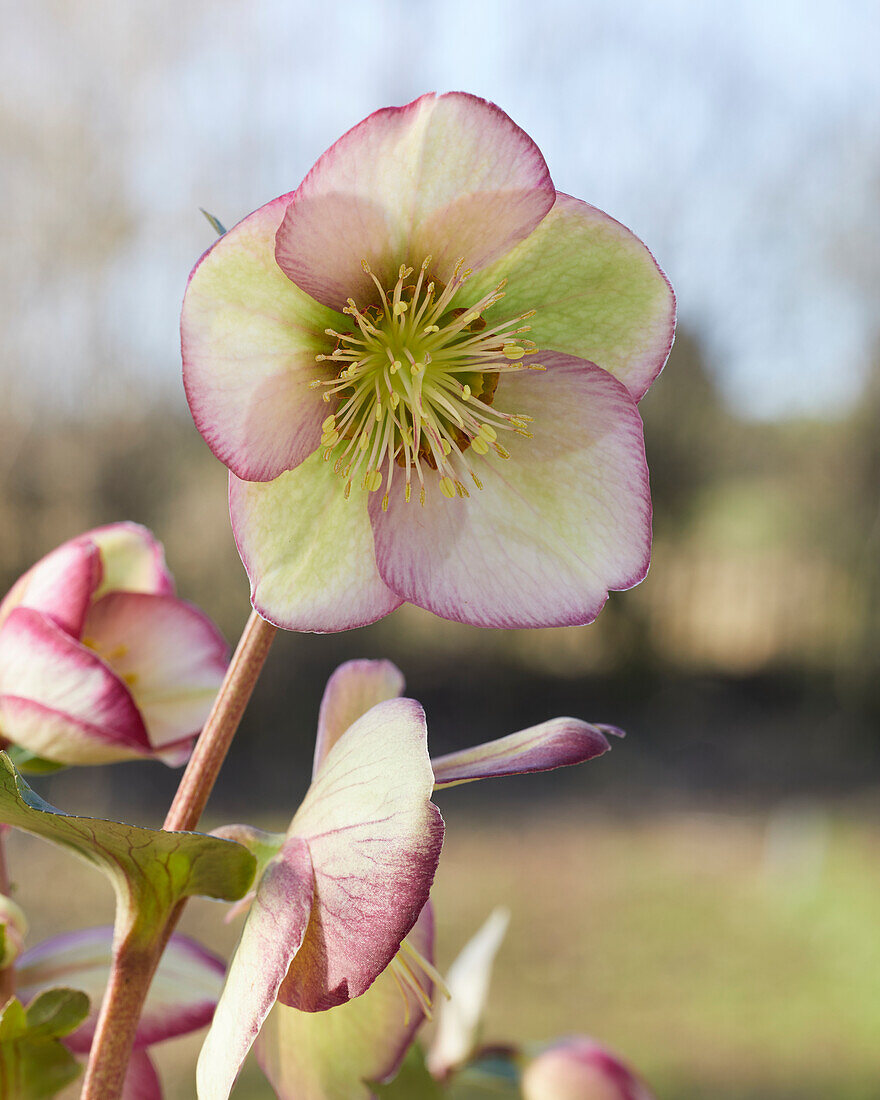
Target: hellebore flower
point(181, 999)
point(341, 903)
point(422, 368)
point(580, 1069)
point(99, 661)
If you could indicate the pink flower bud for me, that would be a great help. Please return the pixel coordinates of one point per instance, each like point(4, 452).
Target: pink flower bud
point(99, 660)
point(579, 1069)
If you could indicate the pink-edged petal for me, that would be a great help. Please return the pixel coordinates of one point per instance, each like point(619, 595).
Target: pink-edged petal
point(375, 838)
point(563, 521)
point(272, 934)
point(597, 291)
point(451, 176)
point(553, 744)
point(249, 338)
point(133, 560)
point(141, 1080)
point(182, 995)
point(329, 1055)
point(580, 1069)
point(60, 700)
point(61, 586)
point(460, 1018)
point(308, 551)
point(170, 654)
point(351, 691)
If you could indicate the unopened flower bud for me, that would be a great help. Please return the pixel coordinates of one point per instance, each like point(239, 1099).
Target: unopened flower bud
point(579, 1069)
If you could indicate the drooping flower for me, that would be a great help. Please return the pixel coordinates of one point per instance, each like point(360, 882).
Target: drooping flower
point(181, 999)
point(99, 660)
point(422, 369)
point(334, 963)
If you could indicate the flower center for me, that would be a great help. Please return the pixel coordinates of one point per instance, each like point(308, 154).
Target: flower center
point(415, 386)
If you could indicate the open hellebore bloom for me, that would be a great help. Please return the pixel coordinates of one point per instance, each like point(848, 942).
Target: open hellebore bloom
point(182, 996)
point(340, 909)
point(99, 661)
point(422, 368)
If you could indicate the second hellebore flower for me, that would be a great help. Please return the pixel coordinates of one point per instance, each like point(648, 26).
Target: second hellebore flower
point(341, 907)
point(422, 369)
point(99, 660)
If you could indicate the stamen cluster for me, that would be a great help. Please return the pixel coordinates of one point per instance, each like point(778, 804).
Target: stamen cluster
point(416, 383)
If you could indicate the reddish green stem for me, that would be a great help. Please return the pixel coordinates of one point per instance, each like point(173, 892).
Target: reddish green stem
point(134, 965)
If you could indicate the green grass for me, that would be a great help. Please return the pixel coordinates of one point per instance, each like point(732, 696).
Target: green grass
point(728, 957)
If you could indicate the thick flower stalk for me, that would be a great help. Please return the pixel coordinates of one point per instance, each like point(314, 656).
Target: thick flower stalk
point(99, 660)
point(422, 370)
point(333, 973)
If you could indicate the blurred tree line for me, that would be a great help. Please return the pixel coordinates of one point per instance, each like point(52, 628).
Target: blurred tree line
point(755, 632)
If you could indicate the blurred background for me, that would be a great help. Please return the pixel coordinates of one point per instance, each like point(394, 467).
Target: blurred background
point(706, 899)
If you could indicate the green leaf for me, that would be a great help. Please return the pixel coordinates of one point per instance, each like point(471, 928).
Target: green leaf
point(34, 1063)
point(413, 1081)
point(54, 1013)
point(214, 223)
point(151, 870)
point(31, 764)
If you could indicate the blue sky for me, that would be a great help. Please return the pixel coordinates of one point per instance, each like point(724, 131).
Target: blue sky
point(740, 140)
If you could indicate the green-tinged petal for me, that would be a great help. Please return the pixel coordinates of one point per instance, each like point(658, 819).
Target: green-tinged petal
point(375, 838)
point(330, 1055)
point(351, 691)
point(412, 1082)
point(249, 338)
point(460, 1018)
point(272, 934)
point(151, 870)
point(597, 291)
point(133, 560)
point(308, 551)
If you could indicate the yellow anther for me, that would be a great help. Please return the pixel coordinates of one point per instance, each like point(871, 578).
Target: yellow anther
point(447, 487)
point(395, 400)
point(476, 480)
point(407, 493)
point(461, 489)
point(466, 392)
point(447, 449)
point(417, 368)
point(422, 496)
point(395, 367)
point(513, 351)
point(364, 441)
point(367, 271)
point(501, 452)
point(488, 433)
point(374, 480)
point(480, 445)
point(347, 491)
point(378, 413)
point(400, 308)
point(330, 439)
point(329, 423)
point(430, 328)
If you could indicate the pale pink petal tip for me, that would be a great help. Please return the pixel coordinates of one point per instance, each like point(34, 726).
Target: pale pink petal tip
point(351, 691)
point(483, 187)
point(141, 1079)
point(553, 744)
